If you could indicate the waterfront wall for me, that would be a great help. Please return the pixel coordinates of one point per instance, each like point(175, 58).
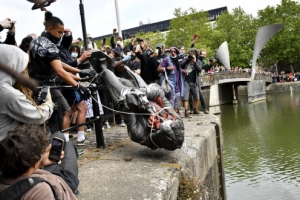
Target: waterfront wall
point(283, 87)
point(133, 171)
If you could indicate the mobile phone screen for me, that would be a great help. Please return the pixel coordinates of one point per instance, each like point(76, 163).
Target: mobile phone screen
point(57, 147)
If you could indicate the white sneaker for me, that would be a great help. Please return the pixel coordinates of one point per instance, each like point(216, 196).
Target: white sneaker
point(107, 125)
point(122, 124)
point(88, 130)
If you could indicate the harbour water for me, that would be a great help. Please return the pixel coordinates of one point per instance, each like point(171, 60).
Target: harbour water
point(261, 148)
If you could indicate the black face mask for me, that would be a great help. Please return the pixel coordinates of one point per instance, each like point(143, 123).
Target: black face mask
point(53, 38)
point(201, 58)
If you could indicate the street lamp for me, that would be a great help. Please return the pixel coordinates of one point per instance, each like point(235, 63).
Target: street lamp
point(118, 19)
point(83, 24)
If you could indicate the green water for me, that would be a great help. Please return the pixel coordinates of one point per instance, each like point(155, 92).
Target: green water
point(261, 145)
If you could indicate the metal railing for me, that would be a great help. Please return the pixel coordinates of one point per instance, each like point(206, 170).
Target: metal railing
point(211, 79)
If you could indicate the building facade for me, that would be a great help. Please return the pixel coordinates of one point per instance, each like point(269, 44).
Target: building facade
point(162, 26)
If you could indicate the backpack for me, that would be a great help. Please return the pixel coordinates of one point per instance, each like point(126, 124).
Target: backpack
point(18, 189)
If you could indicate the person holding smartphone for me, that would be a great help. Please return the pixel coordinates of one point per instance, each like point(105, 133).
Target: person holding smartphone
point(24, 153)
point(16, 103)
point(18, 107)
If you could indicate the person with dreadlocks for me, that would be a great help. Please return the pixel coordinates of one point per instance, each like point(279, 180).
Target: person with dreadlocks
point(46, 65)
point(171, 66)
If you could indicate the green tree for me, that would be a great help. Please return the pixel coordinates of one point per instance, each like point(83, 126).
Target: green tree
point(239, 30)
point(284, 46)
point(154, 37)
point(185, 25)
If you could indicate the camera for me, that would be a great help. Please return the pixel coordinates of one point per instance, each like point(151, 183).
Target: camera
point(12, 26)
point(149, 52)
point(212, 59)
point(191, 56)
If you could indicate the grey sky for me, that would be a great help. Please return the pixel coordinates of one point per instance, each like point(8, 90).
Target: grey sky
point(100, 14)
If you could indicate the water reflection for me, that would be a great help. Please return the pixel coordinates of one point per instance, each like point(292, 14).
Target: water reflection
point(261, 143)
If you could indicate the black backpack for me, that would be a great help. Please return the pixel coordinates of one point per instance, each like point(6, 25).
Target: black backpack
point(18, 189)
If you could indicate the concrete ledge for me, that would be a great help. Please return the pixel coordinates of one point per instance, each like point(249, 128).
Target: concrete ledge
point(136, 172)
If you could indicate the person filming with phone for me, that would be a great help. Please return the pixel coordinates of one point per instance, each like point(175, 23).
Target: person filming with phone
point(24, 153)
point(18, 107)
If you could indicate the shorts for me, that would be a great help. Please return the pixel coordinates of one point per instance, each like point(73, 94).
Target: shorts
point(72, 96)
point(191, 88)
point(59, 99)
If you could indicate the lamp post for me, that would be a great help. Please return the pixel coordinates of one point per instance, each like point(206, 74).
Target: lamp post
point(118, 19)
point(83, 24)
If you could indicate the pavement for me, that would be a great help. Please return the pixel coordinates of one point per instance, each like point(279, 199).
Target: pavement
point(128, 170)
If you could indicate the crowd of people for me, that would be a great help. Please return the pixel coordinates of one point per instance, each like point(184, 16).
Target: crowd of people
point(53, 58)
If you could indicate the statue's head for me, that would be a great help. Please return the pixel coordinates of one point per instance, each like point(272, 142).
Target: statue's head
point(170, 136)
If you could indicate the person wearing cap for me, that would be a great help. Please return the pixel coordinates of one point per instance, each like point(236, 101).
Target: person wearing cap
point(172, 67)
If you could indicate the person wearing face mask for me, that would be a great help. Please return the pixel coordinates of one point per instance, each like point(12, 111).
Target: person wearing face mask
point(74, 51)
point(46, 65)
point(78, 106)
point(90, 43)
point(171, 65)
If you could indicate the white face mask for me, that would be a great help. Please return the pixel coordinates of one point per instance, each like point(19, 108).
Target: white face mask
point(74, 55)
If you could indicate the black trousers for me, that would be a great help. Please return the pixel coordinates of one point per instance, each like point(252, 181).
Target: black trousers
point(68, 169)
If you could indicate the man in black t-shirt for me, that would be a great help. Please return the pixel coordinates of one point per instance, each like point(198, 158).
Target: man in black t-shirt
point(192, 67)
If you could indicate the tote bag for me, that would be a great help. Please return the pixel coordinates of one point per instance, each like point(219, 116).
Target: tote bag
point(166, 86)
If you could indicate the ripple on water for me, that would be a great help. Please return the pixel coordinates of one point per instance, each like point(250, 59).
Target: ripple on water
point(261, 149)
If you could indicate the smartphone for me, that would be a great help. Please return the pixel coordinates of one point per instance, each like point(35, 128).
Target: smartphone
point(104, 39)
point(44, 93)
point(195, 37)
point(12, 26)
point(56, 149)
point(37, 6)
